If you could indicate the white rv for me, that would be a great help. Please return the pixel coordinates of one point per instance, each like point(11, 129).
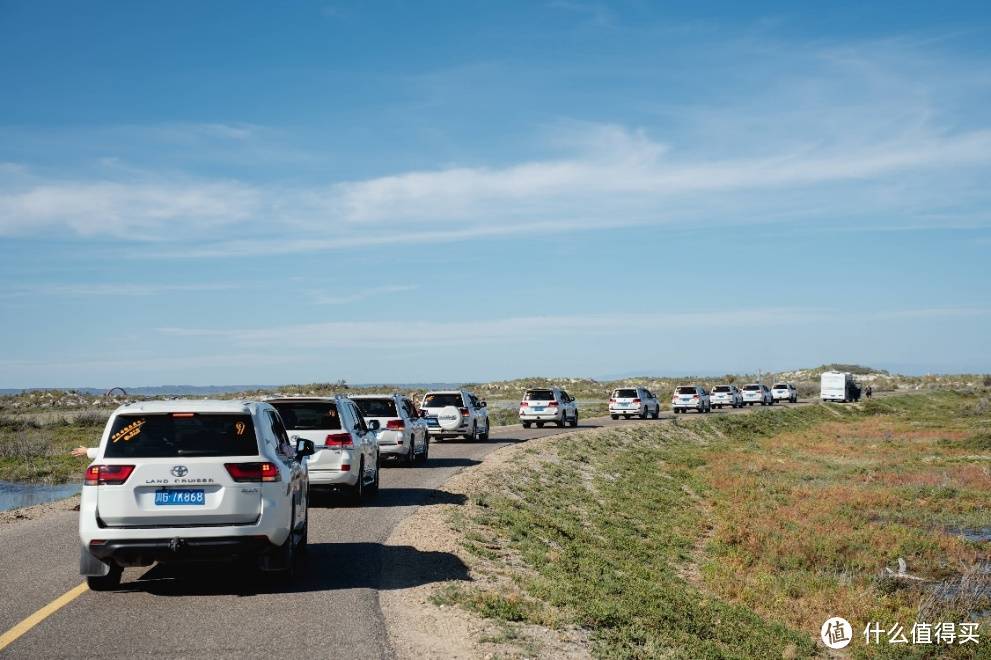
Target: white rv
point(839, 386)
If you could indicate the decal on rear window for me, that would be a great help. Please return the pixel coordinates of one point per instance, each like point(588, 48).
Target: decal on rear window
point(240, 428)
point(129, 432)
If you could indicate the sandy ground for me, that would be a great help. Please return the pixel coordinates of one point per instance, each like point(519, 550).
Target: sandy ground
point(418, 628)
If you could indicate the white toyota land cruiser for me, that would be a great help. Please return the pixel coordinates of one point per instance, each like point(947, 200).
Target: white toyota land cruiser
point(181, 480)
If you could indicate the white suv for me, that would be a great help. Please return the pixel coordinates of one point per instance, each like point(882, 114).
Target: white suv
point(451, 413)
point(629, 401)
point(690, 397)
point(757, 393)
point(540, 405)
point(726, 395)
point(402, 432)
point(347, 451)
point(784, 392)
point(183, 480)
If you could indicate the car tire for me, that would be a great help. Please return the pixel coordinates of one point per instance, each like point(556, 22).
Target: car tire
point(474, 432)
point(485, 436)
point(614, 416)
point(657, 412)
point(358, 490)
point(107, 582)
point(373, 488)
point(540, 425)
point(564, 419)
point(574, 420)
point(410, 459)
point(526, 425)
point(643, 415)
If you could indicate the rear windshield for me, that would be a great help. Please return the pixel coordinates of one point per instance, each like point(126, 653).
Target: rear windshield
point(751, 388)
point(539, 395)
point(377, 407)
point(686, 390)
point(442, 400)
point(625, 394)
point(721, 388)
point(309, 415)
point(181, 434)
point(780, 386)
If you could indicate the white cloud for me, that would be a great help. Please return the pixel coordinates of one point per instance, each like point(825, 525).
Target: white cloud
point(356, 295)
point(122, 289)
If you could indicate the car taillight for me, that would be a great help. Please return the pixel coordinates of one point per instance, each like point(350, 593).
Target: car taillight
point(524, 404)
point(252, 472)
point(107, 475)
point(695, 396)
point(339, 441)
point(635, 401)
point(396, 425)
point(612, 400)
point(463, 411)
point(552, 403)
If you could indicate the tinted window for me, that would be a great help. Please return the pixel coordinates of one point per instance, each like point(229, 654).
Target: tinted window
point(779, 386)
point(442, 400)
point(625, 394)
point(539, 395)
point(377, 407)
point(309, 415)
point(181, 434)
point(721, 388)
point(686, 390)
point(751, 388)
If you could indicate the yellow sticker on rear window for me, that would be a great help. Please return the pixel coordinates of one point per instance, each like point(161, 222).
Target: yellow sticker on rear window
point(240, 428)
point(129, 432)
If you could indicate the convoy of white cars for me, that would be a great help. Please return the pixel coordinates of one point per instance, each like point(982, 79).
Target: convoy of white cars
point(181, 480)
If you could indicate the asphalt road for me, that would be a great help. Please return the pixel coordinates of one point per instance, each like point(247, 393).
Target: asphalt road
point(330, 610)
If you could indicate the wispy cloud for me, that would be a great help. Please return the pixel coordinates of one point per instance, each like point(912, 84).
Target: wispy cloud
point(82, 290)
point(323, 298)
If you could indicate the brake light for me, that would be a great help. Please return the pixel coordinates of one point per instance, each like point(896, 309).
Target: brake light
point(524, 404)
point(635, 401)
point(695, 396)
point(339, 441)
point(183, 414)
point(107, 475)
point(612, 400)
point(396, 425)
point(463, 411)
point(552, 403)
point(252, 472)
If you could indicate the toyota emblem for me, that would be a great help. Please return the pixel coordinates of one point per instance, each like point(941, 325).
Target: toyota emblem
point(180, 471)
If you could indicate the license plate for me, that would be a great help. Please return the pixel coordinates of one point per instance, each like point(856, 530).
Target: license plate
point(180, 496)
point(539, 409)
point(685, 398)
point(627, 405)
point(432, 421)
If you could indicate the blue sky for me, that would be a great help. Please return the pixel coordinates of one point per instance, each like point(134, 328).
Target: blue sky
point(219, 193)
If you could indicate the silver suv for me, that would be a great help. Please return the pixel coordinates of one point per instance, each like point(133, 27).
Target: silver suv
point(347, 451)
point(450, 413)
point(726, 395)
point(542, 404)
point(402, 432)
point(690, 397)
point(757, 393)
point(630, 401)
point(784, 392)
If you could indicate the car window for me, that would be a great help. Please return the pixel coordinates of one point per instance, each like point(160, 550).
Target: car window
point(720, 388)
point(359, 421)
point(624, 394)
point(780, 386)
point(539, 395)
point(281, 437)
point(566, 396)
point(308, 415)
point(442, 400)
point(377, 407)
point(751, 388)
point(686, 390)
point(167, 435)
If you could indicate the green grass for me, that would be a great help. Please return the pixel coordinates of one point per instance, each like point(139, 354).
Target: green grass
point(736, 536)
point(39, 451)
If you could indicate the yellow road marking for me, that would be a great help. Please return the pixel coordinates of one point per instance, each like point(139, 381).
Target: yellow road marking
point(31, 621)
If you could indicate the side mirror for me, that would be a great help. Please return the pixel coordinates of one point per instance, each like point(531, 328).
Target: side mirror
point(483, 404)
point(373, 425)
point(421, 413)
point(304, 447)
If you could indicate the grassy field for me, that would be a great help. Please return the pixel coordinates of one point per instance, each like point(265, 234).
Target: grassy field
point(739, 535)
point(37, 449)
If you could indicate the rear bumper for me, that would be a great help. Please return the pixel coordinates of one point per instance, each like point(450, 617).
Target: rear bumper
point(392, 442)
point(331, 478)
point(541, 417)
point(626, 411)
point(143, 552)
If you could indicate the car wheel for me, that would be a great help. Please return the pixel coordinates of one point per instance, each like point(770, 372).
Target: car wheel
point(643, 415)
point(574, 420)
point(304, 537)
point(410, 457)
point(474, 432)
point(373, 488)
point(540, 425)
point(358, 490)
point(485, 435)
point(426, 448)
point(526, 425)
point(107, 582)
point(614, 416)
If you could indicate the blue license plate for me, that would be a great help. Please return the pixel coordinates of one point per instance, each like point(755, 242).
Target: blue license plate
point(180, 496)
point(538, 410)
point(432, 421)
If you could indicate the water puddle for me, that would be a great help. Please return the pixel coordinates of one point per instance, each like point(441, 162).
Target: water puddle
point(15, 495)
